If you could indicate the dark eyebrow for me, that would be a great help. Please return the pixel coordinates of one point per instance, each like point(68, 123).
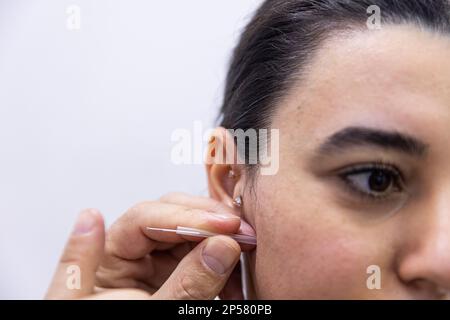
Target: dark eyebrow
point(362, 136)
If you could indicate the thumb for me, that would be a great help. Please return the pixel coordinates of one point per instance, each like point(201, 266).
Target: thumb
point(203, 272)
point(75, 274)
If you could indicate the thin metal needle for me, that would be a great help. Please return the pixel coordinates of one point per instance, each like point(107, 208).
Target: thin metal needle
point(242, 238)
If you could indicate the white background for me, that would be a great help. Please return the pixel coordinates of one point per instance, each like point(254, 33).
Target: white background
point(86, 116)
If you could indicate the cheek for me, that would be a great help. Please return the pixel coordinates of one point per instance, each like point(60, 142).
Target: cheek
point(312, 253)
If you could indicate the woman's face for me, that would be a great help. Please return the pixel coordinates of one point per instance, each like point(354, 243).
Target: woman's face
point(364, 176)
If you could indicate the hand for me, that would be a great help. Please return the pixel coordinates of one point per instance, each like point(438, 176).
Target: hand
point(152, 264)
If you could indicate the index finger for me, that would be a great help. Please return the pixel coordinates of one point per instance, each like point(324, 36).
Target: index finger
point(128, 238)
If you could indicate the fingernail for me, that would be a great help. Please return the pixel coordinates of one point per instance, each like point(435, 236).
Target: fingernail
point(223, 216)
point(246, 228)
point(85, 222)
point(219, 256)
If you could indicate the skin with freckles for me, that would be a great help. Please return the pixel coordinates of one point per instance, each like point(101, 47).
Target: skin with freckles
point(325, 217)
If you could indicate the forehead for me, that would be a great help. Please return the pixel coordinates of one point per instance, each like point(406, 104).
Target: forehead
point(397, 78)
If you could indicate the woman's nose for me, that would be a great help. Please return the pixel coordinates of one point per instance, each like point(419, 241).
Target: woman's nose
point(424, 261)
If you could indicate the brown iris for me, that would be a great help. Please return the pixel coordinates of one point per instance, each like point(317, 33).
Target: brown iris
point(379, 180)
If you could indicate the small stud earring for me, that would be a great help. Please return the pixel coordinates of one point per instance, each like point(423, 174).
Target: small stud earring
point(238, 201)
point(231, 174)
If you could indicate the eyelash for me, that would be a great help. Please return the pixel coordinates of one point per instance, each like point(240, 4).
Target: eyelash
point(390, 169)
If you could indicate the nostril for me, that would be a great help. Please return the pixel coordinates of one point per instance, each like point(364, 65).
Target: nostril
point(429, 290)
point(444, 293)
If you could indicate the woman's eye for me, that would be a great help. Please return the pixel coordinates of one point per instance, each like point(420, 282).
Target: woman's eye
point(375, 182)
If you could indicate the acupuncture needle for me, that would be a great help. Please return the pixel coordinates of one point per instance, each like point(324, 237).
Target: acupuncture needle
point(241, 238)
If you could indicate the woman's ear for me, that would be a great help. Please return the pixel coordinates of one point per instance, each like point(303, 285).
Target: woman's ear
point(225, 178)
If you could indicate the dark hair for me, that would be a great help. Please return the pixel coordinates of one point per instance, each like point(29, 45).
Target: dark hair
point(282, 36)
